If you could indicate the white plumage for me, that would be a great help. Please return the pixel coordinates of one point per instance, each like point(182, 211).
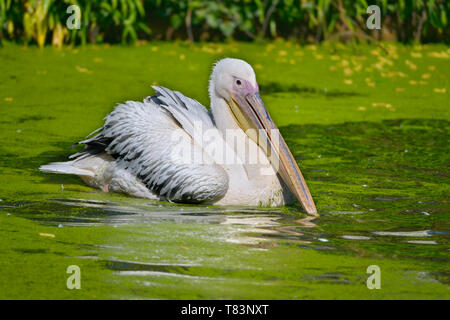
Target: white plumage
point(134, 152)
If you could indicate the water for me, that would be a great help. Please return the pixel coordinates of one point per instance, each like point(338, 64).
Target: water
point(379, 177)
point(371, 212)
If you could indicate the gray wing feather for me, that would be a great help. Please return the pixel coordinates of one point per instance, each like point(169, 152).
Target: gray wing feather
point(138, 135)
point(185, 110)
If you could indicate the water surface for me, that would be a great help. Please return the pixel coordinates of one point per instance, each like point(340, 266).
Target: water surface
point(379, 178)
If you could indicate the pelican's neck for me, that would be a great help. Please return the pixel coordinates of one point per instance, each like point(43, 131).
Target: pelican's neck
point(244, 175)
point(236, 138)
point(223, 117)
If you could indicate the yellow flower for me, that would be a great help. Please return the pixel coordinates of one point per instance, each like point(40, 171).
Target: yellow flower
point(344, 63)
point(83, 70)
point(411, 65)
point(270, 47)
point(370, 83)
point(378, 66)
point(438, 90)
point(439, 55)
point(358, 67)
point(348, 81)
point(50, 235)
point(9, 99)
point(384, 60)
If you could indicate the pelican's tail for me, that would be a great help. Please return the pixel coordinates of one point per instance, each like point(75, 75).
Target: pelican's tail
point(66, 168)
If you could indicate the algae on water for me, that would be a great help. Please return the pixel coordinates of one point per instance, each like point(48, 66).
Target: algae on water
point(370, 132)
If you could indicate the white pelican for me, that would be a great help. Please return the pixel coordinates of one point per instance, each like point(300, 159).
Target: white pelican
point(133, 152)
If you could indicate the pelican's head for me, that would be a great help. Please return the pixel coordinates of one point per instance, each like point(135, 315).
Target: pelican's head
point(234, 81)
point(231, 75)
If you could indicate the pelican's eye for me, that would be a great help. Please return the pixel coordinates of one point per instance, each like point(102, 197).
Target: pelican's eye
point(238, 82)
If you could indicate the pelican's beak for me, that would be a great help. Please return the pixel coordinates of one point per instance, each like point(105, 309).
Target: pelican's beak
point(250, 113)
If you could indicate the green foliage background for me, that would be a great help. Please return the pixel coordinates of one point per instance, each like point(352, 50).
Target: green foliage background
point(44, 21)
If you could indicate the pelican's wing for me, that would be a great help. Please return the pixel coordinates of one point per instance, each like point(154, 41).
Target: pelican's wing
point(154, 140)
point(188, 112)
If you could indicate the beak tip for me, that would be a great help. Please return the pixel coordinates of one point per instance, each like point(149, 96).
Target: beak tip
point(312, 211)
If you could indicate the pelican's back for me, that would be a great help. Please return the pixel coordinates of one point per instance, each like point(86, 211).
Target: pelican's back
point(135, 152)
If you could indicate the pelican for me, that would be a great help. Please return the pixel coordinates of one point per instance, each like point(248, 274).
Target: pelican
point(137, 151)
